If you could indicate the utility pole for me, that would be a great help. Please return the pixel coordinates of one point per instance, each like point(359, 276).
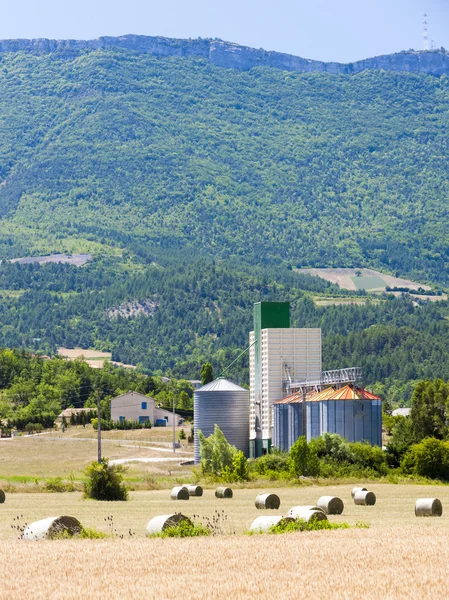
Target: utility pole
point(99, 425)
point(174, 428)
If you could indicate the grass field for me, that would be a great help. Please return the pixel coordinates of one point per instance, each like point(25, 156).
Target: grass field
point(56, 454)
point(399, 556)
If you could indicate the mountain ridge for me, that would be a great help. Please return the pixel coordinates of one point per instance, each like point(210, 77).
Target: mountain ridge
point(231, 55)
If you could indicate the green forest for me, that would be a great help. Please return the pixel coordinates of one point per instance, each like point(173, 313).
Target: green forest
point(198, 190)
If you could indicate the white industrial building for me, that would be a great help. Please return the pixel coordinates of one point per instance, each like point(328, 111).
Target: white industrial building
point(137, 407)
point(278, 355)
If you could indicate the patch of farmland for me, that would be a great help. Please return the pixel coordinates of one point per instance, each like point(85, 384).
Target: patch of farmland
point(320, 301)
point(399, 556)
point(369, 280)
point(69, 259)
point(74, 353)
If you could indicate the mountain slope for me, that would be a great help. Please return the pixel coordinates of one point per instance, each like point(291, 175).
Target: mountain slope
point(125, 149)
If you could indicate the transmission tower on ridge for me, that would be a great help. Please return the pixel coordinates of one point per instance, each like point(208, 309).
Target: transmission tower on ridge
point(426, 32)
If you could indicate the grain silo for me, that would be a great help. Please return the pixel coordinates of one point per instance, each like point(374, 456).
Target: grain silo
point(225, 404)
point(353, 413)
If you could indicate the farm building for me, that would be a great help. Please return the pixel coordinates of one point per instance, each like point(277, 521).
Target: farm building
point(350, 411)
point(278, 354)
point(137, 407)
point(68, 412)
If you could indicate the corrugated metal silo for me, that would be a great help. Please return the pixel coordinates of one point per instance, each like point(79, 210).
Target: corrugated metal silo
point(225, 404)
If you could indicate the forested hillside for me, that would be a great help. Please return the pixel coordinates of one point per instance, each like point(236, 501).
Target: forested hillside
point(198, 189)
point(132, 150)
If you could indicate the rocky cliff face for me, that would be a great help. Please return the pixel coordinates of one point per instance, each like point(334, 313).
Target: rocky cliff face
point(228, 55)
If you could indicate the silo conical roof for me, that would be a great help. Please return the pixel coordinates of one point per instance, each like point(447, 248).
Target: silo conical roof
point(221, 385)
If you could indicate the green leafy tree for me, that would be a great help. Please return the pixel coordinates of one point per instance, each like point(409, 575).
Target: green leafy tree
point(429, 409)
point(303, 459)
point(207, 373)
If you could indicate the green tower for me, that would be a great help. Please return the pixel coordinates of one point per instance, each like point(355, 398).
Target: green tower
point(267, 315)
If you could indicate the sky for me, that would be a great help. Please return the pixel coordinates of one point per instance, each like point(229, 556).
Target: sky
point(327, 30)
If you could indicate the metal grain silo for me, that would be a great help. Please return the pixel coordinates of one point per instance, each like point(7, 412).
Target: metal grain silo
point(225, 404)
point(356, 415)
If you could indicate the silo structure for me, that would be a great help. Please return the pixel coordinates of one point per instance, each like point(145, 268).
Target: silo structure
point(225, 404)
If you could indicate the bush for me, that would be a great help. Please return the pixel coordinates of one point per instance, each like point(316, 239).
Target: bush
point(183, 529)
point(301, 525)
point(105, 482)
point(276, 462)
point(56, 484)
point(429, 458)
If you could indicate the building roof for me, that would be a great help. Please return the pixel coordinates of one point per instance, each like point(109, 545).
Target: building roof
point(221, 385)
point(68, 412)
point(401, 412)
point(131, 393)
point(344, 393)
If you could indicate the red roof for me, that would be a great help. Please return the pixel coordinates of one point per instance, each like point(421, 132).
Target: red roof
point(345, 393)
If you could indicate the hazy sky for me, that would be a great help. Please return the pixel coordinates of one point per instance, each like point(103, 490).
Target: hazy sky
point(344, 30)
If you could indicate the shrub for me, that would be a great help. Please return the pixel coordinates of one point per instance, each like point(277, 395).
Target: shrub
point(183, 529)
point(56, 484)
point(429, 458)
point(277, 462)
point(105, 482)
point(301, 525)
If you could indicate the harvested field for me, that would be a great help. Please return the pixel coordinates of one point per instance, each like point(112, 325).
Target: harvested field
point(58, 454)
point(370, 280)
point(69, 259)
point(73, 353)
point(400, 556)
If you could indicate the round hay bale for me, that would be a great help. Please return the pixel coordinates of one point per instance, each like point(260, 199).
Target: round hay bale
point(302, 508)
point(331, 505)
point(194, 490)
point(428, 507)
point(357, 489)
point(223, 492)
point(270, 501)
point(365, 498)
point(264, 523)
point(161, 522)
point(179, 493)
point(47, 529)
point(2, 496)
point(307, 514)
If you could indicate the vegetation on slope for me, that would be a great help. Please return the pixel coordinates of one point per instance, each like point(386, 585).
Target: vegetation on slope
point(138, 151)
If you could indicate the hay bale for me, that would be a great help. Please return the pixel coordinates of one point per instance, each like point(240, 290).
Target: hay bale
point(264, 523)
point(47, 529)
point(194, 490)
point(2, 496)
point(269, 501)
point(428, 507)
point(365, 498)
point(307, 513)
point(161, 522)
point(331, 505)
point(223, 492)
point(179, 493)
point(357, 489)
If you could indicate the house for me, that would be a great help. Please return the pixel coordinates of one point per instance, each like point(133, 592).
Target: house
point(68, 412)
point(196, 383)
point(401, 412)
point(137, 407)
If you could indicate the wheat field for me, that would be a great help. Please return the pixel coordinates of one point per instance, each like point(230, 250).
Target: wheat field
point(346, 564)
point(399, 556)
